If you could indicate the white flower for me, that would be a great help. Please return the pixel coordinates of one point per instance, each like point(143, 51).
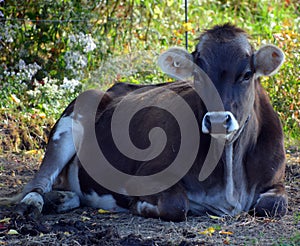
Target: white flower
point(33, 93)
point(90, 44)
point(8, 32)
point(70, 85)
point(72, 38)
point(25, 72)
point(84, 41)
point(75, 60)
point(22, 64)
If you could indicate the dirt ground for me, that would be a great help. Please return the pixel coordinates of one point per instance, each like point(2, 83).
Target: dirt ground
point(86, 226)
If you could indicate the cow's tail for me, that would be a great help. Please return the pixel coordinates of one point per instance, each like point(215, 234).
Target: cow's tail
point(11, 200)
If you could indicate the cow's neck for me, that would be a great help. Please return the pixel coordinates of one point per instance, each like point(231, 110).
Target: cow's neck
point(229, 175)
point(236, 189)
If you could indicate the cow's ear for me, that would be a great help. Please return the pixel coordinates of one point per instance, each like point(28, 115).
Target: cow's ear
point(177, 63)
point(267, 60)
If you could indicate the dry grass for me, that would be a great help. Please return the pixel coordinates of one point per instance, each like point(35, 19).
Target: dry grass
point(86, 226)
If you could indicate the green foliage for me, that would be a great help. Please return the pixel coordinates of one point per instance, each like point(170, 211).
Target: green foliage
point(52, 50)
point(297, 217)
point(284, 88)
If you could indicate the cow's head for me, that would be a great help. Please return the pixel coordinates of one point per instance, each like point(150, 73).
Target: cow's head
point(226, 56)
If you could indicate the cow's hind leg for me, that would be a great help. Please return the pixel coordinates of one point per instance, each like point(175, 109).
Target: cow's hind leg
point(60, 201)
point(272, 203)
point(169, 205)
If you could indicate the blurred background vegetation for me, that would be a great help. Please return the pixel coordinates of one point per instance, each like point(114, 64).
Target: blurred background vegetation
point(53, 50)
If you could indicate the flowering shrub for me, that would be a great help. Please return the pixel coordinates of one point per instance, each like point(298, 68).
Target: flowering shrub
point(82, 41)
point(47, 95)
point(76, 58)
point(24, 72)
point(41, 72)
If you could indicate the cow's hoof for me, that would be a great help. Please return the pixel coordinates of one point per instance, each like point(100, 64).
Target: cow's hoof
point(271, 206)
point(30, 206)
point(60, 201)
point(34, 199)
point(30, 212)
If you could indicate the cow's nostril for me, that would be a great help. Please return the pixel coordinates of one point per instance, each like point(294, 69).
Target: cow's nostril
point(228, 118)
point(228, 121)
point(207, 122)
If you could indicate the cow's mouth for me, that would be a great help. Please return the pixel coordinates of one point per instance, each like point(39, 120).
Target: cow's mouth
point(220, 125)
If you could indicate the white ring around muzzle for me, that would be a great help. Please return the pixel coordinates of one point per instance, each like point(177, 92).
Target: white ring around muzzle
point(220, 124)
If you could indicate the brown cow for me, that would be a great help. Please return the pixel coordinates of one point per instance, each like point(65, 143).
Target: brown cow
point(248, 176)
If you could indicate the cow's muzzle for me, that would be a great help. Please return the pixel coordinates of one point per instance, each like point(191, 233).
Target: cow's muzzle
point(220, 124)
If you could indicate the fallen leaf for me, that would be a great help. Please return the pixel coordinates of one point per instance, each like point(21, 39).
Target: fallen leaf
point(226, 241)
point(226, 232)
point(102, 211)
point(85, 218)
point(215, 217)
point(12, 232)
point(31, 152)
point(42, 115)
point(209, 231)
point(5, 220)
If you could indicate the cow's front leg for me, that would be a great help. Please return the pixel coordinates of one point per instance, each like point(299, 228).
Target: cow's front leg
point(272, 202)
point(169, 205)
point(60, 151)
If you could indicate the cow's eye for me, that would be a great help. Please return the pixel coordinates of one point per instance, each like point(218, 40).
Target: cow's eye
point(247, 76)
